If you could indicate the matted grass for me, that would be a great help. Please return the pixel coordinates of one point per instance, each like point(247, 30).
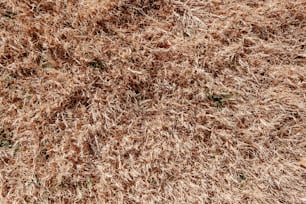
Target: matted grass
point(142, 101)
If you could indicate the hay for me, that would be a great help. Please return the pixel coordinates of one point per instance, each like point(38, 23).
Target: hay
point(138, 101)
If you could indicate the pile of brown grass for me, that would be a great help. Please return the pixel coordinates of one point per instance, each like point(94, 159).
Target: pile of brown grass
point(143, 101)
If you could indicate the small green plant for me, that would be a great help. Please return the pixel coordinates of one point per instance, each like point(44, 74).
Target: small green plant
point(241, 177)
point(97, 64)
point(88, 183)
point(218, 99)
point(9, 14)
point(36, 180)
point(16, 150)
point(5, 140)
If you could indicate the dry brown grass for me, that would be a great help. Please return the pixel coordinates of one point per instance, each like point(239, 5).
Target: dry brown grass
point(143, 101)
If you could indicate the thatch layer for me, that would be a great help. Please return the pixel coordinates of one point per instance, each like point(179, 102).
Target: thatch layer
point(140, 101)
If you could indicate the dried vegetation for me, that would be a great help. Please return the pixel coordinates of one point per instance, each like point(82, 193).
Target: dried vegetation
point(152, 101)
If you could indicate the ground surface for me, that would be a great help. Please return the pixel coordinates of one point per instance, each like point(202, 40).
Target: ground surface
point(143, 101)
